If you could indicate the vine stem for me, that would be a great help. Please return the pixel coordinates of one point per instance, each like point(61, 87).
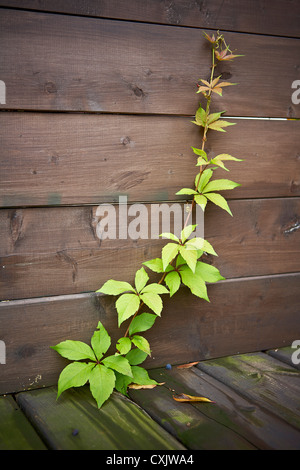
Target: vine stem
point(204, 132)
point(200, 172)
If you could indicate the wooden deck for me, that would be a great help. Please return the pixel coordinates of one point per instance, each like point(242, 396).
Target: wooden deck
point(256, 406)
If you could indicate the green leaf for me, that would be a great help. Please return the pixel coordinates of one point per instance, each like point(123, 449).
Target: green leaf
point(141, 377)
point(219, 185)
point(112, 287)
point(155, 265)
point(201, 201)
point(171, 236)
point(195, 282)
point(204, 179)
point(122, 382)
point(100, 341)
point(200, 152)
point(141, 343)
point(142, 322)
point(118, 363)
point(214, 117)
point(186, 232)
point(74, 375)
point(127, 305)
point(218, 125)
point(200, 117)
point(169, 252)
point(123, 345)
point(219, 201)
point(141, 279)
point(189, 254)
point(187, 191)
point(225, 157)
point(155, 289)
point(201, 244)
point(74, 350)
point(219, 163)
point(173, 282)
point(136, 357)
point(201, 162)
point(102, 383)
point(153, 301)
point(208, 273)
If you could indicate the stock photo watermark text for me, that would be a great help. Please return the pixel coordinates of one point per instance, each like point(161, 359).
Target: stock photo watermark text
point(2, 352)
point(144, 221)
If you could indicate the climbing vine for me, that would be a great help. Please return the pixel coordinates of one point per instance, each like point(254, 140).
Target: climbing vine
point(180, 263)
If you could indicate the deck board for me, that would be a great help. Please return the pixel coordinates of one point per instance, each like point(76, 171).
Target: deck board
point(285, 355)
point(75, 423)
point(256, 406)
point(16, 433)
point(264, 380)
point(236, 413)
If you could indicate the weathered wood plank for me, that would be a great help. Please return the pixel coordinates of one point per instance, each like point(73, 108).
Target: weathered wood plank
point(86, 64)
point(57, 251)
point(231, 410)
point(270, 383)
point(16, 433)
point(118, 425)
point(52, 159)
point(189, 329)
point(285, 355)
point(236, 15)
point(193, 426)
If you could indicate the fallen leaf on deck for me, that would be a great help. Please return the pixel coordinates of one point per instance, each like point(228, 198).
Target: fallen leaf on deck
point(187, 366)
point(140, 387)
point(189, 398)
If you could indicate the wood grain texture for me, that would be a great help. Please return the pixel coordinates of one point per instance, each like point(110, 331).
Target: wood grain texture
point(16, 432)
point(87, 64)
point(119, 425)
point(279, 18)
point(286, 355)
point(57, 251)
point(53, 159)
point(245, 315)
point(262, 379)
point(230, 410)
point(194, 426)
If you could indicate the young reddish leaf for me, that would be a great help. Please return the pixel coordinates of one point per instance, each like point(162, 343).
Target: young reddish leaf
point(211, 39)
point(224, 56)
point(217, 90)
point(215, 81)
point(222, 84)
point(205, 82)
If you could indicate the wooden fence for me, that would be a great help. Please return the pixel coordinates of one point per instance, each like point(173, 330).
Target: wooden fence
point(99, 99)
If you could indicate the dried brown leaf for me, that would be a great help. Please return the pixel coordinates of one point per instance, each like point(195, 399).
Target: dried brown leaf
point(183, 398)
point(187, 366)
point(142, 387)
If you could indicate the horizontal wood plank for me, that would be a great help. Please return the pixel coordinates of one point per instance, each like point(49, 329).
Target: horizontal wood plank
point(262, 379)
point(86, 64)
point(75, 423)
point(287, 355)
point(189, 329)
point(58, 251)
point(16, 432)
point(193, 426)
point(274, 17)
point(53, 159)
point(229, 409)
